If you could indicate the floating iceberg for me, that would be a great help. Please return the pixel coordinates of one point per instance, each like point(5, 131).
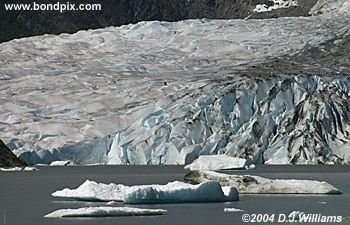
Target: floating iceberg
point(218, 162)
point(61, 163)
point(180, 192)
point(173, 192)
point(232, 210)
point(90, 190)
point(248, 184)
point(104, 212)
point(16, 169)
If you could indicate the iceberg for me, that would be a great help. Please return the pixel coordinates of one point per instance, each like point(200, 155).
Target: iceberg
point(17, 169)
point(177, 191)
point(248, 184)
point(218, 162)
point(232, 210)
point(90, 190)
point(61, 163)
point(104, 212)
point(173, 192)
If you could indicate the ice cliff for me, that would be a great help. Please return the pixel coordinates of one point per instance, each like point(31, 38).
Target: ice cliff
point(278, 120)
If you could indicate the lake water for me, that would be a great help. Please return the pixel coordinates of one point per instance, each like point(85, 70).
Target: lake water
point(25, 197)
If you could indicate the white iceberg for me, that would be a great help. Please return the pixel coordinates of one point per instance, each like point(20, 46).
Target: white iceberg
point(248, 184)
point(180, 192)
point(61, 163)
point(17, 169)
point(232, 210)
point(218, 162)
point(90, 190)
point(173, 192)
point(104, 212)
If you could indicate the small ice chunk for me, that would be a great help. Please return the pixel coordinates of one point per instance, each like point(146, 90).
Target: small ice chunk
point(232, 210)
point(104, 212)
point(218, 162)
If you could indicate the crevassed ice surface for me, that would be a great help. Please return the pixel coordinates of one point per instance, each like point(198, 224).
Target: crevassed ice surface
point(168, 87)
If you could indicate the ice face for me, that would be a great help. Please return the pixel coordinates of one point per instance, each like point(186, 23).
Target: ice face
point(174, 192)
point(302, 120)
point(247, 184)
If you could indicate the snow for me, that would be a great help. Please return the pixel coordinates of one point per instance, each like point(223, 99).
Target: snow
point(174, 192)
point(277, 4)
point(167, 93)
point(248, 184)
point(232, 210)
point(16, 169)
point(330, 6)
point(218, 162)
point(104, 212)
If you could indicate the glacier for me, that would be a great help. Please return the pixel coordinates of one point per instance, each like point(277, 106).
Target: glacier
point(167, 93)
point(248, 184)
point(173, 192)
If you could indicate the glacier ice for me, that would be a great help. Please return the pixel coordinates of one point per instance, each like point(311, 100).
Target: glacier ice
point(177, 191)
point(104, 211)
point(167, 93)
point(279, 120)
point(173, 192)
point(218, 162)
point(248, 184)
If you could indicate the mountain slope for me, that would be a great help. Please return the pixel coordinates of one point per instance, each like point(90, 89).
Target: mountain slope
point(16, 24)
point(7, 158)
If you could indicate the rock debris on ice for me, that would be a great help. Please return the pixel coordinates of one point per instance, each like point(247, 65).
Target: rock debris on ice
point(248, 184)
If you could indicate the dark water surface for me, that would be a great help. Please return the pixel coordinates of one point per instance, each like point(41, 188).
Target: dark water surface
point(25, 197)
